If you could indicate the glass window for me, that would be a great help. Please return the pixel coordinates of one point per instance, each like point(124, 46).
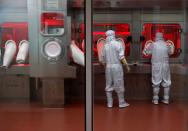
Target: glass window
point(139, 80)
point(52, 23)
point(42, 71)
point(172, 32)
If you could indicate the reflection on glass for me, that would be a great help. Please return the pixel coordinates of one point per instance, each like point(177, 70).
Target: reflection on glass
point(44, 91)
point(155, 38)
point(52, 23)
point(171, 32)
point(121, 30)
point(17, 32)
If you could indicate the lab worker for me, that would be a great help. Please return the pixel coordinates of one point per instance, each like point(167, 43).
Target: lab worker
point(113, 58)
point(160, 52)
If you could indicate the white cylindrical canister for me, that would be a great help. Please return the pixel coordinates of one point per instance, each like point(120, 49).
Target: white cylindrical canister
point(23, 52)
point(10, 51)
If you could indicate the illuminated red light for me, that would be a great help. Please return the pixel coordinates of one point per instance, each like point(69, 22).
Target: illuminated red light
point(16, 31)
point(25, 65)
point(122, 30)
point(52, 20)
point(170, 32)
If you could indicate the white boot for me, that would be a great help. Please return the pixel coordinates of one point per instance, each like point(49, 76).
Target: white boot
point(155, 95)
point(109, 99)
point(166, 95)
point(122, 102)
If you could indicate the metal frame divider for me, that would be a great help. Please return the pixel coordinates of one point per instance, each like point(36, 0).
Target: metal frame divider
point(88, 64)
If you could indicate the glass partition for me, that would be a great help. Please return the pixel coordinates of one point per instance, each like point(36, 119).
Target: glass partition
point(52, 23)
point(42, 69)
point(139, 80)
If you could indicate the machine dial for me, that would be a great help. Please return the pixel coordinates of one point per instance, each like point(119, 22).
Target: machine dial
point(52, 49)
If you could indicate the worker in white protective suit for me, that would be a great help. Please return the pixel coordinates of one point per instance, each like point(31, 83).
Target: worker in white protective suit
point(113, 58)
point(160, 52)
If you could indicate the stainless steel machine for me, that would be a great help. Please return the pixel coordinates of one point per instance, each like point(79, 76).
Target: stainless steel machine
point(44, 29)
point(49, 34)
point(50, 37)
point(14, 77)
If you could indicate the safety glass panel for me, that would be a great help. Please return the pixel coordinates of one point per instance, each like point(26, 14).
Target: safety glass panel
point(52, 23)
point(123, 34)
point(171, 32)
point(14, 38)
point(143, 86)
point(42, 69)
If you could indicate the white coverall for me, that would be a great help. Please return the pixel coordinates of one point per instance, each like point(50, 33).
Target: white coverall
point(112, 53)
point(160, 67)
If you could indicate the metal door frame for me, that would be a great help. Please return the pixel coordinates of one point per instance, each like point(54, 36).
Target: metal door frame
point(88, 61)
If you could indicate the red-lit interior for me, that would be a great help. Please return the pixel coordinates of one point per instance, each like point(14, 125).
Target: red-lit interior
point(52, 20)
point(122, 30)
point(170, 32)
point(16, 31)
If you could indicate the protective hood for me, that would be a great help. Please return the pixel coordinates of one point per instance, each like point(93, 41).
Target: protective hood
point(110, 35)
point(159, 36)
